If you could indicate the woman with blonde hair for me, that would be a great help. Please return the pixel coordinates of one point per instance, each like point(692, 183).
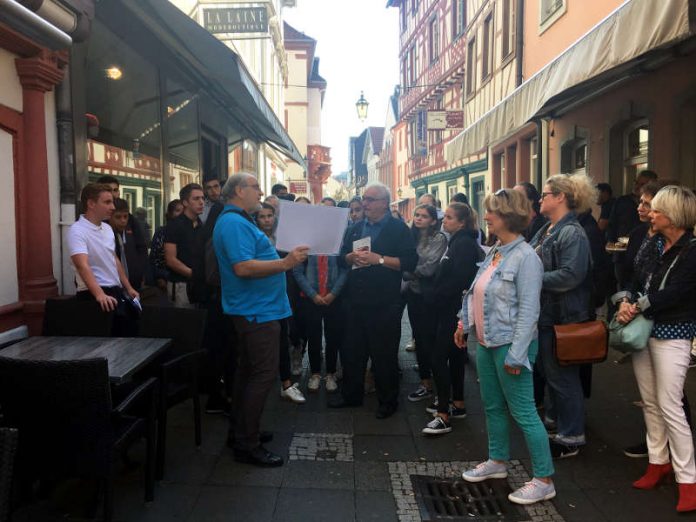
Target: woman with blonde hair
point(566, 296)
point(668, 297)
point(500, 313)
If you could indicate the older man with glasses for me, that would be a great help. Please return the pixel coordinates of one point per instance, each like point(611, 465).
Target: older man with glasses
point(374, 301)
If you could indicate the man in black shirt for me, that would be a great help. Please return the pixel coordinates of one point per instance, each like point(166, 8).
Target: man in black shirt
point(606, 203)
point(374, 301)
point(179, 242)
point(624, 214)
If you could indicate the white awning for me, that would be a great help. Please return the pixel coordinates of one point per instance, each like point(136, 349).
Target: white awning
point(633, 29)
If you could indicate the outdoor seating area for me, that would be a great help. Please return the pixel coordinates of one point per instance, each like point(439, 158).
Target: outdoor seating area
point(74, 400)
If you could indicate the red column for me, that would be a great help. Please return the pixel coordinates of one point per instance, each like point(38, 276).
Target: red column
point(38, 75)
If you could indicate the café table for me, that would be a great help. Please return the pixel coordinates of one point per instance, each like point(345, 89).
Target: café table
point(125, 355)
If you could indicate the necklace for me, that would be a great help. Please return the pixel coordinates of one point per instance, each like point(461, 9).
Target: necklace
point(496, 258)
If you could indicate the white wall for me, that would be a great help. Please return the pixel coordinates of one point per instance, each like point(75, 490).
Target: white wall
point(10, 88)
point(9, 285)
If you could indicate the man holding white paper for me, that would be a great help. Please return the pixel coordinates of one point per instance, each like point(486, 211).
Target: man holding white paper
point(380, 248)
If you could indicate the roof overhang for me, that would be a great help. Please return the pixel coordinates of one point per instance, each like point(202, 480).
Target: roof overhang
point(218, 71)
point(633, 39)
point(33, 26)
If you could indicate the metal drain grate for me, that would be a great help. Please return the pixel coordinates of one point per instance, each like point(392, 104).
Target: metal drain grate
point(440, 499)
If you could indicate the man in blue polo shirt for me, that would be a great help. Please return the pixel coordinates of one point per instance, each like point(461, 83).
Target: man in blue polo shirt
point(254, 296)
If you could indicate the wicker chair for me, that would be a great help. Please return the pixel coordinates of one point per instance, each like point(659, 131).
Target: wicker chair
point(67, 425)
point(178, 373)
point(8, 446)
point(67, 317)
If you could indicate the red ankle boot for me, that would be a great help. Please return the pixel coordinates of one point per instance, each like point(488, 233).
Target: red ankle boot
point(687, 497)
point(653, 476)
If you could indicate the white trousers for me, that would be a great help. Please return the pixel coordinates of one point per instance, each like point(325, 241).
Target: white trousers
point(660, 371)
point(176, 292)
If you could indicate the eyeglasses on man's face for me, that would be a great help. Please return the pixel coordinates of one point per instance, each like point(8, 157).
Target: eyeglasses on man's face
point(255, 187)
point(368, 199)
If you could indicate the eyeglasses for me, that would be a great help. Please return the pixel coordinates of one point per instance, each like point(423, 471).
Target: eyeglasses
point(368, 199)
point(255, 187)
point(544, 194)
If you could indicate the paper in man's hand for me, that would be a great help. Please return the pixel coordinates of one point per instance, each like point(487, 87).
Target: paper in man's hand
point(319, 227)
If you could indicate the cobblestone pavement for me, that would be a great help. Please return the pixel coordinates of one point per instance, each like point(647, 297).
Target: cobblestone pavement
point(348, 466)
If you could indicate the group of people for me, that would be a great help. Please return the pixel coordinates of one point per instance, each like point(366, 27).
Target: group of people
point(542, 263)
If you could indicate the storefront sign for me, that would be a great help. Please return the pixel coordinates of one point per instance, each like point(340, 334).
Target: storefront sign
point(298, 187)
point(236, 20)
point(441, 120)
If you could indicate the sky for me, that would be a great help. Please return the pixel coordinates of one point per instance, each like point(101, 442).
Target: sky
point(358, 47)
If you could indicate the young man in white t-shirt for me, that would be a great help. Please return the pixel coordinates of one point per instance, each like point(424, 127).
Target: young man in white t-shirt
point(92, 248)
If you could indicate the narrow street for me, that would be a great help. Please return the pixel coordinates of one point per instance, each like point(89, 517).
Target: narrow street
point(347, 465)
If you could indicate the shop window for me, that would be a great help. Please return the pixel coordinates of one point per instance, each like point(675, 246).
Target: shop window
point(404, 17)
point(471, 67)
point(533, 158)
point(636, 148)
point(434, 39)
point(574, 153)
point(508, 28)
point(487, 50)
point(451, 191)
point(478, 191)
point(458, 17)
point(550, 11)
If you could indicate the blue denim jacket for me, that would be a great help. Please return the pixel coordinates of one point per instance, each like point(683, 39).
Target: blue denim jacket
point(511, 301)
point(307, 277)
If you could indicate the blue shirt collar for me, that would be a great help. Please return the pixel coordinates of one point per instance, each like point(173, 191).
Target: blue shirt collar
point(378, 223)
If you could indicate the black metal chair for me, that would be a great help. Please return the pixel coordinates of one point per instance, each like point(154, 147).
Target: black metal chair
point(178, 373)
point(67, 317)
point(8, 446)
point(67, 425)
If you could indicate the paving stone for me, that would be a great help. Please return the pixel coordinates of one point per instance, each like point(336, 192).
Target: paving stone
point(322, 475)
point(375, 505)
point(384, 447)
point(322, 447)
point(222, 504)
point(371, 476)
point(228, 472)
point(310, 505)
point(367, 424)
point(310, 422)
point(172, 502)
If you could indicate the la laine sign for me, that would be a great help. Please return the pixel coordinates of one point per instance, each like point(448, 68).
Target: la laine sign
point(236, 20)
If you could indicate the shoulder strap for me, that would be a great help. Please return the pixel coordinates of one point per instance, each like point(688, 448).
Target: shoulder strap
point(674, 262)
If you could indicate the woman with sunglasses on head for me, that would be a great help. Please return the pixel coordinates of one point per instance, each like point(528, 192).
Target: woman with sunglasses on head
point(430, 245)
point(566, 297)
point(500, 312)
point(453, 276)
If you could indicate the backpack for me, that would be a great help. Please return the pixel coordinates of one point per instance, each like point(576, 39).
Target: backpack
point(211, 269)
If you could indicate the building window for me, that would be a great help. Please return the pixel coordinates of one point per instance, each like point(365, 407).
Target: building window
point(436, 135)
point(434, 39)
point(550, 11)
point(501, 169)
point(508, 28)
point(471, 67)
point(404, 17)
point(414, 7)
point(405, 71)
point(487, 51)
point(451, 191)
point(636, 147)
point(533, 157)
point(458, 17)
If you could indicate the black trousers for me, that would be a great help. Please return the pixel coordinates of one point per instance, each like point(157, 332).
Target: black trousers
point(447, 361)
point(373, 331)
point(219, 341)
point(423, 320)
point(284, 371)
point(257, 368)
point(327, 322)
point(125, 323)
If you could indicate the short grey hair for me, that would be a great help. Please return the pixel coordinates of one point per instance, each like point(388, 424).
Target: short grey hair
point(381, 187)
point(427, 195)
point(272, 197)
point(678, 204)
point(235, 181)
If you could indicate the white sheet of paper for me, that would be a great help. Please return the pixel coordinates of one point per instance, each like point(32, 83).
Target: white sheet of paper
point(319, 227)
point(360, 245)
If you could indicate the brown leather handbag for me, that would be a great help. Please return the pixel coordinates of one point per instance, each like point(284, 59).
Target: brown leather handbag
point(581, 343)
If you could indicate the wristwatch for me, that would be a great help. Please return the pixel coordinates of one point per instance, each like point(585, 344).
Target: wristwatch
point(381, 260)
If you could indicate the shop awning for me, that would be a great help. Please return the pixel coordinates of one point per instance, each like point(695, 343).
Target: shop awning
point(219, 70)
point(632, 30)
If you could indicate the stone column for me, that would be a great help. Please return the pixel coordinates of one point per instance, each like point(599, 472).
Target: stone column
point(38, 75)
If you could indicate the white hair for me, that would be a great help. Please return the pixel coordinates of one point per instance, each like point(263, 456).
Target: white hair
point(381, 187)
point(237, 179)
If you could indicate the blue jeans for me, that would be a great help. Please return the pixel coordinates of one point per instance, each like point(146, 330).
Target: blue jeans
point(566, 402)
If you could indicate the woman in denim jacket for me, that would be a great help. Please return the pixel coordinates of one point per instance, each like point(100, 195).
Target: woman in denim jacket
point(565, 298)
point(500, 312)
point(321, 280)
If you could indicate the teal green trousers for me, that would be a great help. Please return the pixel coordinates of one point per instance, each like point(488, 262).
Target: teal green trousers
point(503, 393)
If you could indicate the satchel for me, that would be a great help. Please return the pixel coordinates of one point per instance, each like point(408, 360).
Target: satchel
point(631, 337)
point(580, 343)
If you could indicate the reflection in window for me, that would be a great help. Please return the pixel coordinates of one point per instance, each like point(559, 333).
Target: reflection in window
point(182, 138)
point(636, 148)
point(487, 53)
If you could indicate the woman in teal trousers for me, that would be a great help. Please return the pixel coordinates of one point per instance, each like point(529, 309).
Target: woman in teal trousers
point(499, 316)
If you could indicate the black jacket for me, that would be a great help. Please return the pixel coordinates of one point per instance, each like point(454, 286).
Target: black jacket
point(377, 285)
point(676, 302)
point(457, 269)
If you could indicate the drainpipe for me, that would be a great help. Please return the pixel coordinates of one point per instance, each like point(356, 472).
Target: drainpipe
point(519, 43)
point(540, 153)
point(66, 166)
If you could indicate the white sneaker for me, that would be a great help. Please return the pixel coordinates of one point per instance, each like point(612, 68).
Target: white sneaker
point(532, 492)
point(293, 393)
point(313, 383)
point(296, 357)
point(486, 470)
point(331, 385)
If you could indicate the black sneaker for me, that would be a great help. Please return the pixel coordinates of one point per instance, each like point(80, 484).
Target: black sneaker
point(637, 452)
point(420, 394)
point(563, 451)
point(454, 412)
point(437, 426)
point(432, 408)
point(217, 405)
